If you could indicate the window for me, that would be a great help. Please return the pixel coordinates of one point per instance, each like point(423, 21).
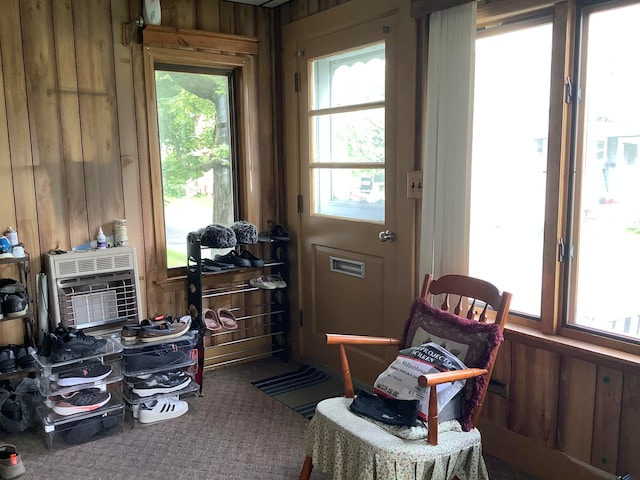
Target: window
point(199, 105)
point(606, 213)
point(347, 134)
point(564, 150)
point(196, 127)
point(511, 124)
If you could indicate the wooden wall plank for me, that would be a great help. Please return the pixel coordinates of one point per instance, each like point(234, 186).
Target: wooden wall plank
point(266, 101)
point(44, 121)
point(628, 458)
point(314, 6)
point(68, 99)
point(187, 14)
point(299, 9)
point(326, 4)
point(534, 393)
point(606, 421)
point(8, 212)
point(208, 15)
point(496, 404)
point(18, 128)
point(169, 13)
point(130, 163)
point(576, 407)
point(245, 20)
point(98, 114)
point(227, 21)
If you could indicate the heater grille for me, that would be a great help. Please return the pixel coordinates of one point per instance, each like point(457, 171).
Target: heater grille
point(94, 288)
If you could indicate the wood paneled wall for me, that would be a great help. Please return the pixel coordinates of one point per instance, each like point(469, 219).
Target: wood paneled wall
point(74, 156)
point(74, 150)
point(582, 408)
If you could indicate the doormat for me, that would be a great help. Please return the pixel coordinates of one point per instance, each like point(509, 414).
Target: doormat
point(302, 389)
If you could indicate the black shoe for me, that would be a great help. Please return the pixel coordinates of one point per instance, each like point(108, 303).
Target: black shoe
point(86, 429)
point(7, 360)
point(255, 261)
point(76, 345)
point(45, 349)
point(154, 360)
point(85, 372)
point(23, 359)
point(233, 258)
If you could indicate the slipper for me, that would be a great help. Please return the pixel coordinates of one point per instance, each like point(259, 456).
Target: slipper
point(211, 320)
point(226, 318)
point(277, 281)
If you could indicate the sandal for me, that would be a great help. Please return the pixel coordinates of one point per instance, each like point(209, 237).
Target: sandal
point(211, 320)
point(226, 318)
point(11, 465)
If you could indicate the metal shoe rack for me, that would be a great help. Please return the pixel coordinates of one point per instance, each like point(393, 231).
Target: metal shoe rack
point(262, 315)
point(23, 266)
point(62, 430)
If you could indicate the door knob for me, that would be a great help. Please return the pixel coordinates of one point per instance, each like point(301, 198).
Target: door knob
point(386, 236)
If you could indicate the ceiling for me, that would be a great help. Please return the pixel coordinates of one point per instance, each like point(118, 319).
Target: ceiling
point(261, 3)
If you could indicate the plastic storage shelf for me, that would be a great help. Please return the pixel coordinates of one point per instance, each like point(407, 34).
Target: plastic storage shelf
point(69, 431)
point(46, 368)
point(86, 424)
point(145, 358)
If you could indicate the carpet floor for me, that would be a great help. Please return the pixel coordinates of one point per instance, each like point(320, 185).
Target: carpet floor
point(234, 431)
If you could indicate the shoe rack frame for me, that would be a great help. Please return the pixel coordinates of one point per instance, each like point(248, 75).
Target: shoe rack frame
point(263, 316)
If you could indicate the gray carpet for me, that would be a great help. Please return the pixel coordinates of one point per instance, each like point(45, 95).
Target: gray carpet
point(233, 432)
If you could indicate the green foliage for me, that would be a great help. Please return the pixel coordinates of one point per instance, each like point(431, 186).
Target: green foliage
point(191, 138)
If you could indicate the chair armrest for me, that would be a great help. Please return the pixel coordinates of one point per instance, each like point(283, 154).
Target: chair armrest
point(336, 338)
point(342, 340)
point(433, 379)
point(429, 379)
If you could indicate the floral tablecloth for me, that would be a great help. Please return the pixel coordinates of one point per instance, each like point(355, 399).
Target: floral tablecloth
point(364, 451)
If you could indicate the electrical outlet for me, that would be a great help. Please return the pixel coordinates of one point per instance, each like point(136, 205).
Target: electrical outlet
point(414, 184)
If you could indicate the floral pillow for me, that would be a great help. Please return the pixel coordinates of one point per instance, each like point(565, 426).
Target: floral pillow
point(472, 342)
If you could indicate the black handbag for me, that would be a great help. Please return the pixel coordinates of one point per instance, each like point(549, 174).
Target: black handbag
point(386, 410)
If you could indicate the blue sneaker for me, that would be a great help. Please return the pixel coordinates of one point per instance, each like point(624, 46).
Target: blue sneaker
point(5, 248)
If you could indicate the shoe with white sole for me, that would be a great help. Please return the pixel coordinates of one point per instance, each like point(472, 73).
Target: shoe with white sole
point(162, 409)
point(161, 383)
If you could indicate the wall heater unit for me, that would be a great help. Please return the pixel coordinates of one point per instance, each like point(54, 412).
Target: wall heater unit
point(94, 288)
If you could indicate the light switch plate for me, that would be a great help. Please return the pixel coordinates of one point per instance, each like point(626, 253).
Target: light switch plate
point(414, 184)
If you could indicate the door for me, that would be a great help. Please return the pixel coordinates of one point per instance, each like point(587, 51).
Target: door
point(356, 224)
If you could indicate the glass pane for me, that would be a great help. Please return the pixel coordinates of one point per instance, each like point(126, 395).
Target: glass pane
point(609, 231)
point(509, 157)
point(349, 137)
point(194, 130)
point(349, 78)
point(349, 193)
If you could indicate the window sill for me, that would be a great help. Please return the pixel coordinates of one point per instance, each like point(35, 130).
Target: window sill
point(627, 362)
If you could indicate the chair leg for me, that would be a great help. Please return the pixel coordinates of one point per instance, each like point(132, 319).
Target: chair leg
point(305, 474)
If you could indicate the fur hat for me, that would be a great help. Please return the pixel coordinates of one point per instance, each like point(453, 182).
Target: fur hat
point(217, 236)
point(246, 233)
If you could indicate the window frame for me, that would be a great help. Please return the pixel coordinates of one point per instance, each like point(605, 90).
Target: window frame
point(561, 146)
point(168, 46)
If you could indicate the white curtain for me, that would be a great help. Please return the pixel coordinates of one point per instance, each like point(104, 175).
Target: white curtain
point(447, 141)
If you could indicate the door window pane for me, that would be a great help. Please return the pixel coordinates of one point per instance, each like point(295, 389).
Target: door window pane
point(349, 193)
point(509, 157)
point(349, 137)
point(608, 242)
point(194, 125)
point(347, 127)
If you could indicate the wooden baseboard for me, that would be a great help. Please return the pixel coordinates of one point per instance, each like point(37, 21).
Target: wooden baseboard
point(534, 458)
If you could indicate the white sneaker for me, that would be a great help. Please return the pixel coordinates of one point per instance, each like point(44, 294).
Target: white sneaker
point(162, 409)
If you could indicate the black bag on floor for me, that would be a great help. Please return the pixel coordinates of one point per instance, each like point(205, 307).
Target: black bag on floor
point(386, 410)
point(18, 406)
